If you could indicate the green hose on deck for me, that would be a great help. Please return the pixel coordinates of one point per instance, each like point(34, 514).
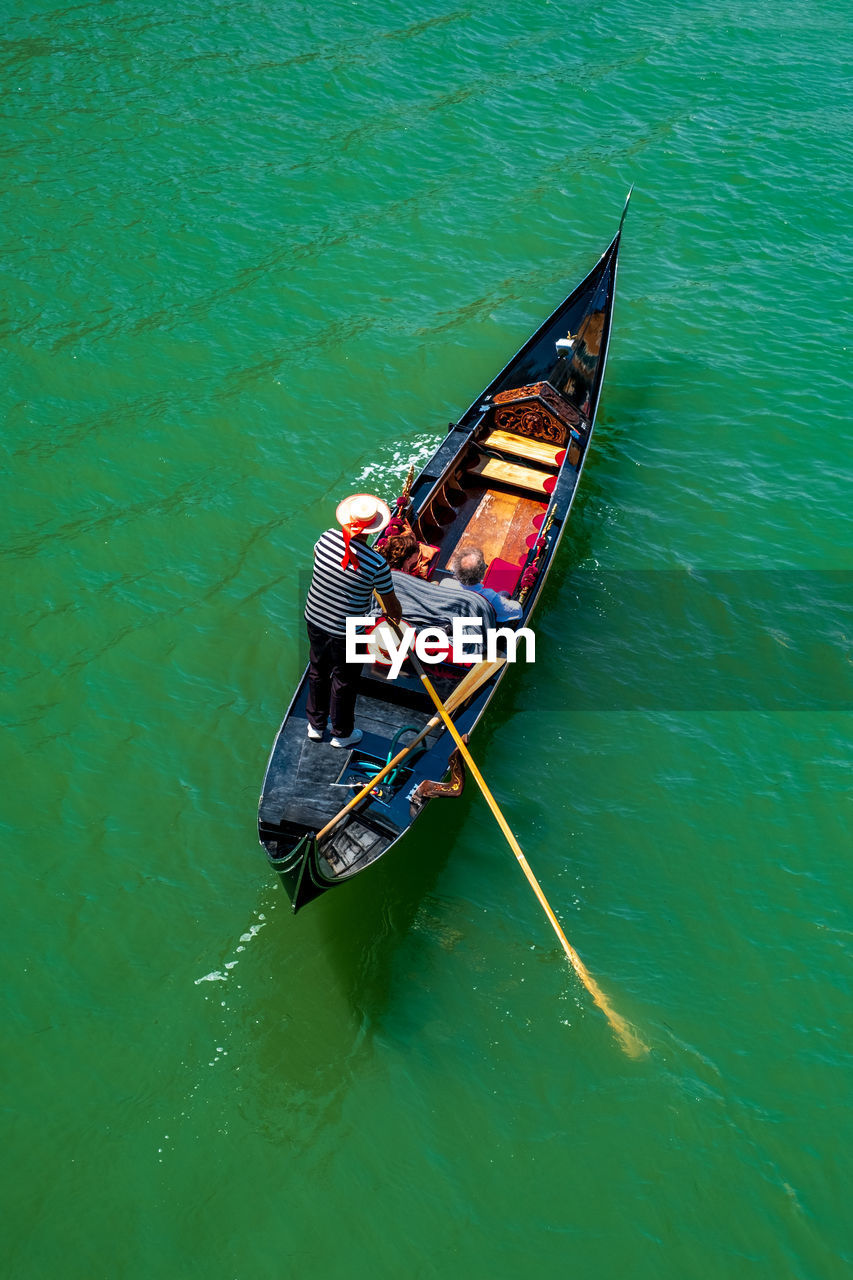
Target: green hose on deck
point(368, 764)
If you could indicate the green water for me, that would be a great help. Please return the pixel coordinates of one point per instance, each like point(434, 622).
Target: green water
point(255, 256)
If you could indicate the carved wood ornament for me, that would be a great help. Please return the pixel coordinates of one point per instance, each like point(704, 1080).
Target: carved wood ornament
point(429, 790)
point(537, 411)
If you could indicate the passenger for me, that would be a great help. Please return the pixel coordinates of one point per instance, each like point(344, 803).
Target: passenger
point(468, 566)
point(402, 552)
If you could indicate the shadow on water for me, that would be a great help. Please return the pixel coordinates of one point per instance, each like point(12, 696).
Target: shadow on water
point(364, 924)
point(308, 1039)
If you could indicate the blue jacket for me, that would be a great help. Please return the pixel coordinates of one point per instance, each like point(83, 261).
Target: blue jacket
point(506, 610)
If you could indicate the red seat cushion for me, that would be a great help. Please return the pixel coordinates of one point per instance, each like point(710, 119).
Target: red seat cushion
point(501, 575)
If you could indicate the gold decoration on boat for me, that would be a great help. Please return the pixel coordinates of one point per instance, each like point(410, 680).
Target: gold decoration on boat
point(453, 787)
point(531, 421)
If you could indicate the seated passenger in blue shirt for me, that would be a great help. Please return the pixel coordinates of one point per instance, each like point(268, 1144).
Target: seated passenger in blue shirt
point(469, 566)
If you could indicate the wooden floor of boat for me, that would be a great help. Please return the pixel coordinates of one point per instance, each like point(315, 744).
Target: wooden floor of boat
point(497, 521)
point(300, 784)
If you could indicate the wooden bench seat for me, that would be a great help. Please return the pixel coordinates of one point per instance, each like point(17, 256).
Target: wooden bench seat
point(539, 451)
point(519, 477)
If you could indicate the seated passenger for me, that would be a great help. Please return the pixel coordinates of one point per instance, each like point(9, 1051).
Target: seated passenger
point(468, 565)
point(437, 605)
point(402, 552)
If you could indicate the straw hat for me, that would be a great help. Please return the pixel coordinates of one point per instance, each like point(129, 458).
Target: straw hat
point(364, 507)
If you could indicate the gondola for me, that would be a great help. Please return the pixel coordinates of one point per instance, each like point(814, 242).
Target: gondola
point(503, 478)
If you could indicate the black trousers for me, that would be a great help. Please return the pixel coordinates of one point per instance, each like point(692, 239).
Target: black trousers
point(332, 683)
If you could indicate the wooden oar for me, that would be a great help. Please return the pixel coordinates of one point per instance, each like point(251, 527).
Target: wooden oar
point(468, 685)
point(626, 1036)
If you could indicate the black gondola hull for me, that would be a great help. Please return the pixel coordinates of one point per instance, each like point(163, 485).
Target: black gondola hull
point(547, 394)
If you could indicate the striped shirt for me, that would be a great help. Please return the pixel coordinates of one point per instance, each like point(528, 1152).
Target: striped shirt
point(337, 594)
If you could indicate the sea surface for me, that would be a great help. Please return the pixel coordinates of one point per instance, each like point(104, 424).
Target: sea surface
point(255, 256)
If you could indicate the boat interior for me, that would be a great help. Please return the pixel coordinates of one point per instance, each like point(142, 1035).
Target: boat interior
point(495, 492)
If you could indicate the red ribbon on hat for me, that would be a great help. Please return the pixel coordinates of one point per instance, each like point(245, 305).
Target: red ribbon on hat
point(351, 530)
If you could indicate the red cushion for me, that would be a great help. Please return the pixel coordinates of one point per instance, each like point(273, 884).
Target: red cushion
point(501, 575)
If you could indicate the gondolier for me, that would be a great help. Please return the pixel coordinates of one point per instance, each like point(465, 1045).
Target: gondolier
point(346, 573)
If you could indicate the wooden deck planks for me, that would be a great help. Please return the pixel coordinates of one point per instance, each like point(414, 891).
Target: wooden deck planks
point(501, 525)
point(302, 781)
